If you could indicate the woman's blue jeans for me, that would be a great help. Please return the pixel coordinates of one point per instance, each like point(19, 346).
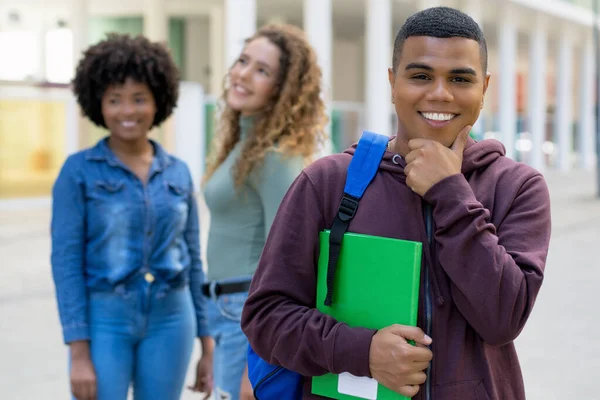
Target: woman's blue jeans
point(224, 314)
point(141, 336)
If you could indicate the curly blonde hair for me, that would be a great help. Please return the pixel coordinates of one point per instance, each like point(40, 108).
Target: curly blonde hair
point(293, 121)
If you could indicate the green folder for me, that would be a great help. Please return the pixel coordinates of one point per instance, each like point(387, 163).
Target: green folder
point(376, 285)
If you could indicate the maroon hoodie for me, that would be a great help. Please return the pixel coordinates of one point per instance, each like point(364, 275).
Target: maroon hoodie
point(492, 230)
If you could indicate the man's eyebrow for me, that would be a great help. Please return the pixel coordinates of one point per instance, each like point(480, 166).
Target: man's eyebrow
point(456, 71)
point(418, 66)
point(467, 71)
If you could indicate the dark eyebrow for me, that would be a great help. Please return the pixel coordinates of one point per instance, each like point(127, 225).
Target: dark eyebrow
point(457, 71)
point(418, 66)
point(464, 71)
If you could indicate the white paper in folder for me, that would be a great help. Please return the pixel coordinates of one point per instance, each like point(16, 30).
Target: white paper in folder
point(358, 386)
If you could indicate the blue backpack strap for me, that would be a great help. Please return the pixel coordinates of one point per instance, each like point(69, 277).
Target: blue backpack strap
point(361, 171)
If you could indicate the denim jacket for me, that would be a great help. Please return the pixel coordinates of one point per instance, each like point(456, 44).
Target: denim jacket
point(108, 227)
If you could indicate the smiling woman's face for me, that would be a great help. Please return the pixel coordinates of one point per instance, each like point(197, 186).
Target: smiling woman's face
point(128, 110)
point(253, 77)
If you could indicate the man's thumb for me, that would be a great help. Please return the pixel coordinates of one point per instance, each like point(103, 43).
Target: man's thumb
point(461, 140)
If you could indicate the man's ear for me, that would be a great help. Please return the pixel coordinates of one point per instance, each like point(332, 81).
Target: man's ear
point(391, 79)
point(486, 83)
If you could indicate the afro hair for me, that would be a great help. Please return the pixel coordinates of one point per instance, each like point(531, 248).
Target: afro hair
point(118, 58)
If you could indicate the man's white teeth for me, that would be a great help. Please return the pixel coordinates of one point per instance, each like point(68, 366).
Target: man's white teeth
point(128, 124)
point(438, 116)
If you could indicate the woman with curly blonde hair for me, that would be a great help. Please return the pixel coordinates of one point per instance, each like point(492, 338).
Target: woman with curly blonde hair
point(270, 127)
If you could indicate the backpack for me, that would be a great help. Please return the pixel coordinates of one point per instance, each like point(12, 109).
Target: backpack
point(271, 382)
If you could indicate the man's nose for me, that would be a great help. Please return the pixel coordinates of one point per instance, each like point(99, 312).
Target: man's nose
point(440, 91)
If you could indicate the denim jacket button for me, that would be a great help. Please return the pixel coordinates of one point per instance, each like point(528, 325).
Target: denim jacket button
point(149, 277)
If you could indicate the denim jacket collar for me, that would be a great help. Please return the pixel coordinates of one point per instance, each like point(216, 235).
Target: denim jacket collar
point(101, 152)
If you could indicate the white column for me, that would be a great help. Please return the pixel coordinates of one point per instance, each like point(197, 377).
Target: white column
point(42, 29)
point(538, 58)
point(189, 120)
point(318, 25)
point(507, 79)
point(586, 106)
point(240, 24)
point(79, 26)
point(378, 108)
point(156, 22)
point(217, 50)
point(564, 100)
point(475, 10)
point(423, 4)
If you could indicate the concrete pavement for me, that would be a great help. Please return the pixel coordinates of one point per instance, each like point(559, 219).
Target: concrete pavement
point(559, 348)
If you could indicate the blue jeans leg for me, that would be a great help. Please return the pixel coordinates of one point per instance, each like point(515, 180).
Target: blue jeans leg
point(142, 337)
point(224, 316)
point(163, 355)
point(112, 342)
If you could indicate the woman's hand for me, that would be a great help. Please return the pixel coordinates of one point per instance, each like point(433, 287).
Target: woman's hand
point(204, 369)
point(83, 375)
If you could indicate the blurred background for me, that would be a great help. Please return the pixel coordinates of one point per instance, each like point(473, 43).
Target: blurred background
point(541, 104)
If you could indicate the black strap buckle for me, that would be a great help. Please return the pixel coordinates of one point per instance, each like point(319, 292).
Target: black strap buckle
point(348, 207)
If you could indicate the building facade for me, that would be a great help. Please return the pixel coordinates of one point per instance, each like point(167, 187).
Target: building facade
point(540, 103)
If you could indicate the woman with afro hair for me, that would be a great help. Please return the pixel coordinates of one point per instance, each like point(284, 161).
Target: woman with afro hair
point(125, 236)
point(271, 125)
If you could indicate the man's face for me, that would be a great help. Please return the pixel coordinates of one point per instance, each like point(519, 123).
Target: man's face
point(438, 87)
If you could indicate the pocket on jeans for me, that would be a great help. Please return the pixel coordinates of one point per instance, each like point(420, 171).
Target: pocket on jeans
point(231, 305)
point(466, 390)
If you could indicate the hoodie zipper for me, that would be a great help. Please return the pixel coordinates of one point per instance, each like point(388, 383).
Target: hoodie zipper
point(428, 299)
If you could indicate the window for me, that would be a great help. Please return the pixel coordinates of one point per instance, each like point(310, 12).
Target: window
point(59, 55)
point(20, 52)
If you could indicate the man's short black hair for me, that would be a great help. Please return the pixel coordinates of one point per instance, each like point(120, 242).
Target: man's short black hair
point(440, 22)
point(117, 58)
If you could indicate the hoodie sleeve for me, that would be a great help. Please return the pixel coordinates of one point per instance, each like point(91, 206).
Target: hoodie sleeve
point(279, 317)
point(495, 273)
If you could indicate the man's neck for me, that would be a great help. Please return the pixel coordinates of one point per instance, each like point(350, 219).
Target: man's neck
point(399, 145)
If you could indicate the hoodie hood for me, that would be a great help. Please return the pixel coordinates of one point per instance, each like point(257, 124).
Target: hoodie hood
point(475, 156)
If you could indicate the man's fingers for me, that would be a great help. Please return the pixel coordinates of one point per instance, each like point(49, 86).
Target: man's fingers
point(419, 355)
point(421, 365)
point(415, 144)
point(461, 140)
point(411, 333)
point(412, 156)
point(408, 390)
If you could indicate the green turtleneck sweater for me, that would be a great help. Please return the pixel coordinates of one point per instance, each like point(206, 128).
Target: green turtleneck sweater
point(240, 218)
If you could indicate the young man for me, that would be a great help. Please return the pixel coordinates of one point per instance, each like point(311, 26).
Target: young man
point(484, 265)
